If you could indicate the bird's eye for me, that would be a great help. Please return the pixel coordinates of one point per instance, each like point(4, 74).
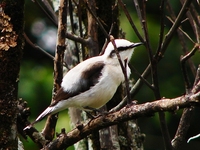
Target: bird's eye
point(112, 53)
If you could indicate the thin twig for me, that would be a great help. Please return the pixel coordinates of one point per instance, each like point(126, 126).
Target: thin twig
point(184, 123)
point(146, 35)
point(138, 10)
point(181, 36)
point(42, 50)
point(139, 75)
point(73, 30)
point(163, 124)
point(194, 20)
point(161, 35)
point(77, 38)
point(97, 19)
point(37, 47)
point(181, 30)
point(183, 66)
point(80, 26)
point(130, 20)
point(110, 38)
point(123, 69)
point(174, 27)
point(113, 42)
point(127, 82)
point(197, 78)
point(134, 90)
point(55, 22)
point(106, 41)
point(51, 11)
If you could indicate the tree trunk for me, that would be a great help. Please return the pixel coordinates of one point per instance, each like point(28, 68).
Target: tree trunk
point(11, 44)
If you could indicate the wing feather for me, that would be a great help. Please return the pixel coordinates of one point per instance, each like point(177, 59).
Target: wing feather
point(88, 78)
point(46, 112)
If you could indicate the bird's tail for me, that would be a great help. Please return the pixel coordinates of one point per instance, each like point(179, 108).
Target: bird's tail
point(40, 117)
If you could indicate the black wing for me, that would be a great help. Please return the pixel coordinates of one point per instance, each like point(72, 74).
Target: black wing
point(89, 78)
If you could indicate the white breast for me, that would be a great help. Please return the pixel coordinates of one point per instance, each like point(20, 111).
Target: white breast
point(102, 92)
point(99, 94)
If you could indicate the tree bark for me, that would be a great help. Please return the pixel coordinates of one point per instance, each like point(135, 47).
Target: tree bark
point(11, 45)
point(130, 112)
point(49, 129)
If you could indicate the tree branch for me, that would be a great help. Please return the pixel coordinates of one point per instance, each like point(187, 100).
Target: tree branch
point(37, 47)
point(168, 38)
point(52, 17)
point(127, 113)
point(73, 29)
point(123, 67)
point(77, 38)
point(49, 129)
point(161, 35)
point(130, 20)
point(174, 27)
point(184, 123)
point(183, 66)
point(97, 20)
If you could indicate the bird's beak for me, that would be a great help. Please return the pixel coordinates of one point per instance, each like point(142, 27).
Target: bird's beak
point(137, 44)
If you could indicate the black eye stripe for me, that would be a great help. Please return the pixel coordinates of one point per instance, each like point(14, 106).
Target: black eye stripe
point(125, 47)
point(122, 48)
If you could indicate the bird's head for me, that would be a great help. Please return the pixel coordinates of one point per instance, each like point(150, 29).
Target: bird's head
point(124, 47)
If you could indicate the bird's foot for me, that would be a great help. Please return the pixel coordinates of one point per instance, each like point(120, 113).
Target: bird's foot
point(91, 111)
point(131, 103)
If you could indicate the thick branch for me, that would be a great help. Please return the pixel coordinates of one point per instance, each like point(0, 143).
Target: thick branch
point(127, 113)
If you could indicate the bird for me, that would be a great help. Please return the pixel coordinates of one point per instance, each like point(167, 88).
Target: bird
point(93, 82)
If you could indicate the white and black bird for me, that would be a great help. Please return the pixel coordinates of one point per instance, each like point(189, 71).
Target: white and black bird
point(93, 82)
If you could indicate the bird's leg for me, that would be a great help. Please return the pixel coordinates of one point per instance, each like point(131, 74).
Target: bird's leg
point(90, 109)
point(90, 115)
